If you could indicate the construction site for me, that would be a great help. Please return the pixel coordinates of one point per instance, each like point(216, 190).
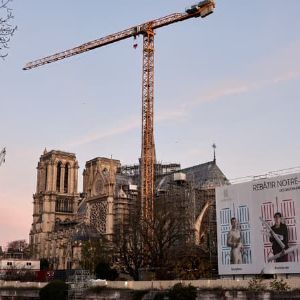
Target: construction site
point(154, 221)
point(64, 219)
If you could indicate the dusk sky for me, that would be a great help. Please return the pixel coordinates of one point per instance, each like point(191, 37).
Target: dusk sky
point(232, 79)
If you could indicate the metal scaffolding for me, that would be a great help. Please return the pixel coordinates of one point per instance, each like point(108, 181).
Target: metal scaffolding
point(79, 283)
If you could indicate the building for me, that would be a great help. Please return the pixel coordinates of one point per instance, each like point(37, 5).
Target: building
point(63, 218)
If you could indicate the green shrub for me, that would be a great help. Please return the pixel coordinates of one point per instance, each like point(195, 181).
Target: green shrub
point(182, 292)
point(55, 290)
point(279, 285)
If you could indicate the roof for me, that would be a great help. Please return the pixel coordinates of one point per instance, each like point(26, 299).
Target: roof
point(84, 232)
point(123, 180)
point(205, 175)
point(201, 176)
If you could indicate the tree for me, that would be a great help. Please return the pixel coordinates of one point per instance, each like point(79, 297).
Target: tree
point(19, 248)
point(189, 262)
point(104, 271)
point(7, 30)
point(171, 228)
point(44, 264)
point(151, 244)
point(129, 244)
point(95, 251)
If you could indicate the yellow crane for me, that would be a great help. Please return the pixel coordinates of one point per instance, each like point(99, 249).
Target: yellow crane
point(202, 9)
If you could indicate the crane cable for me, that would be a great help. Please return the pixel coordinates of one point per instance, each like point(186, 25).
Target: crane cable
point(2, 156)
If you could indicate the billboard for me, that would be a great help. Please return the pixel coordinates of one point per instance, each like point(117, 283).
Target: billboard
point(258, 224)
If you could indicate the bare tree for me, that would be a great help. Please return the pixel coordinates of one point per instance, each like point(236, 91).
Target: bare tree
point(18, 248)
point(95, 251)
point(129, 244)
point(171, 228)
point(149, 244)
point(7, 29)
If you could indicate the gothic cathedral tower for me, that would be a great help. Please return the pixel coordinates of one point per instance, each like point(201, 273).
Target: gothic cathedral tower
point(56, 198)
point(99, 179)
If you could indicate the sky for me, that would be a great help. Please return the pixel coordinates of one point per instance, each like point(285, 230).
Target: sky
point(232, 79)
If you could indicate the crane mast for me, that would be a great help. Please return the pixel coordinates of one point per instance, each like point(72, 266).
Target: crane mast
point(202, 9)
point(148, 146)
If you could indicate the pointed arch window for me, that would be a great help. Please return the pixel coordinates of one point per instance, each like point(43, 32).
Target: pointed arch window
point(58, 174)
point(46, 176)
point(66, 179)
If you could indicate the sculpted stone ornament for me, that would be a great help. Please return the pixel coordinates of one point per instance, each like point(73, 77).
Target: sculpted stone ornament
point(99, 186)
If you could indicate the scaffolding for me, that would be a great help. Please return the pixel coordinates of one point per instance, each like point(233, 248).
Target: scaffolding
point(79, 283)
point(177, 200)
point(160, 169)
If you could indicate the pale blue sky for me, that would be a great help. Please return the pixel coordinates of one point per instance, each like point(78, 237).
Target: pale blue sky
point(232, 78)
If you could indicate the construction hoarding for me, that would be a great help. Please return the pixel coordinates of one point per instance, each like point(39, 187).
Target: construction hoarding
point(258, 224)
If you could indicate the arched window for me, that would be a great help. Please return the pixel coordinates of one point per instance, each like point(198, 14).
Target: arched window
point(58, 174)
point(66, 179)
point(40, 206)
point(46, 176)
point(58, 205)
point(70, 205)
point(65, 209)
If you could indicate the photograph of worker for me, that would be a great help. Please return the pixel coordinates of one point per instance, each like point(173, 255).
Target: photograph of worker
point(280, 241)
point(234, 241)
point(235, 234)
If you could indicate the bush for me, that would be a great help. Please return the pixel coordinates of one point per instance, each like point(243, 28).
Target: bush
point(160, 296)
point(256, 284)
point(44, 264)
point(182, 292)
point(138, 295)
point(20, 275)
point(104, 271)
point(279, 285)
point(55, 290)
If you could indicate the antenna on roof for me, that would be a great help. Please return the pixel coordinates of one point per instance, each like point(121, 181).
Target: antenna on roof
point(214, 147)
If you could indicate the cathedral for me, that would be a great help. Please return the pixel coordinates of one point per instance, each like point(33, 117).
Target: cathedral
point(63, 217)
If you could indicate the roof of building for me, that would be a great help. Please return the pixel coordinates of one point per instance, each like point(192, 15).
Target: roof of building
point(123, 180)
point(206, 175)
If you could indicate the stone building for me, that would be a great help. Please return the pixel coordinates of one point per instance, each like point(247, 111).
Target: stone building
point(63, 218)
point(56, 199)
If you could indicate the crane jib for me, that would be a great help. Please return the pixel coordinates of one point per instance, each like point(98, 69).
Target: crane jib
point(202, 10)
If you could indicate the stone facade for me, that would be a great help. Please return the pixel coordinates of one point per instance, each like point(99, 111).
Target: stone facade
point(63, 218)
point(56, 198)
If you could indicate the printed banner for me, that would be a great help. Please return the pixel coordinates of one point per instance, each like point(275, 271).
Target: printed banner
point(258, 226)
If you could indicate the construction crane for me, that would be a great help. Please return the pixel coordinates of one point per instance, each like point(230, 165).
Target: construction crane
point(202, 9)
point(2, 156)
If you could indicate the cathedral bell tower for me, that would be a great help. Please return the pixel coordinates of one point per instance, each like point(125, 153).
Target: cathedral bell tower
point(56, 197)
point(99, 178)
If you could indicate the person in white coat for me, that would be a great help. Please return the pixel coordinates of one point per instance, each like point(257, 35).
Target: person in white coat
point(235, 243)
